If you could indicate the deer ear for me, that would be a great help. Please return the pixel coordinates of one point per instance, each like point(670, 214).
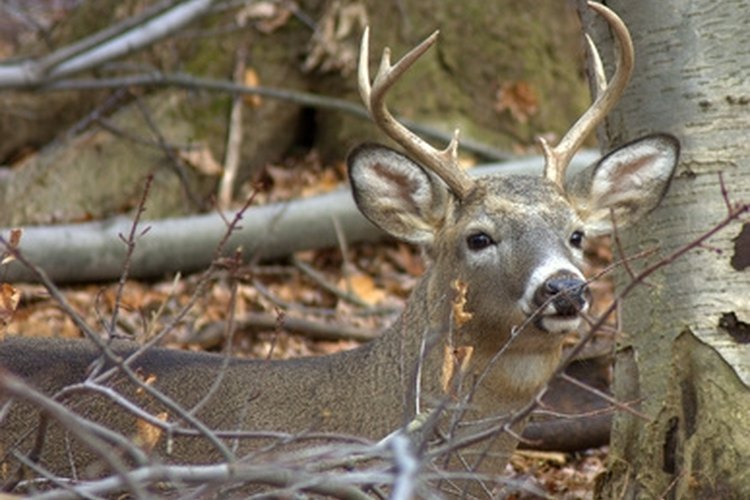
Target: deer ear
point(396, 194)
point(626, 184)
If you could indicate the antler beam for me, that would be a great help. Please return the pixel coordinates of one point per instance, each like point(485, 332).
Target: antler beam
point(443, 163)
point(558, 158)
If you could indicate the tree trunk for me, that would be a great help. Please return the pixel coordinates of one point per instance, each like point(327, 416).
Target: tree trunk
point(685, 353)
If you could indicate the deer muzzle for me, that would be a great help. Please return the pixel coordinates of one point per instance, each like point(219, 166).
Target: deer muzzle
point(559, 300)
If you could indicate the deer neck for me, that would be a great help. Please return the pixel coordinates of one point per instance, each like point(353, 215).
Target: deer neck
point(509, 370)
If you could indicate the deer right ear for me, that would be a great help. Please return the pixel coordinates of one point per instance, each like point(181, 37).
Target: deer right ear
point(396, 194)
point(626, 184)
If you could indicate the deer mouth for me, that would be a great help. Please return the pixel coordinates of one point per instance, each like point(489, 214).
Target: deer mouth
point(558, 323)
point(562, 312)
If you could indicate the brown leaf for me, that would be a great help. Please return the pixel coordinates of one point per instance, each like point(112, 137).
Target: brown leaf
point(364, 287)
point(460, 315)
point(201, 158)
point(251, 79)
point(326, 182)
point(13, 241)
point(148, 380)
point(147, 434)
point(9, 298)
point(269, 16)
point(407, 259)
point(519, 98)
point(455, 363)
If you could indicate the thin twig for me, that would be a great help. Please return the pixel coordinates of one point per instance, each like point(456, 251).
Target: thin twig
point(234, 138)
point(178, 165)
point(130, 243)
point(83, 431)
point(606, 397)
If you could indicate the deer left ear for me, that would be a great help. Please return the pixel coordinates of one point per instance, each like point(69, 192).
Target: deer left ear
point(396, 194)
point(626, 184)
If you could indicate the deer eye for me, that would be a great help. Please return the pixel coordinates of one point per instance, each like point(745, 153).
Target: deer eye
point(478, 241)
point(576, 239)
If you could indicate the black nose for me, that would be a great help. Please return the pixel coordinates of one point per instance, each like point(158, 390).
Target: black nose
point(567, 293)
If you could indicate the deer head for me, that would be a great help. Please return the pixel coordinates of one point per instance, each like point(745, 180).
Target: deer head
point(514, 241)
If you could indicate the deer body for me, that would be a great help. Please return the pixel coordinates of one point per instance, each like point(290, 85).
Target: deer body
point(366, 392)
point(480, 335)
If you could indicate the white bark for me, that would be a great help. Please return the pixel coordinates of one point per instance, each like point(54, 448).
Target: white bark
point(83, 56)
point(691, 78)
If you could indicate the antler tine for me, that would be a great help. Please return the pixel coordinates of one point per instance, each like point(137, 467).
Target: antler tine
point(558, 158)
point(443, 163)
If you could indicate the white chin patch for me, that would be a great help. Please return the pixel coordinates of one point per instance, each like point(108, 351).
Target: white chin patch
point(558, 324)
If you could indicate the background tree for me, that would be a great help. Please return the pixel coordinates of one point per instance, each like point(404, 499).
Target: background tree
point(685, 351)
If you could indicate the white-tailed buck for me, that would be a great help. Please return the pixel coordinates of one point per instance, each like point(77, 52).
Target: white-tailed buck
point(479, 336)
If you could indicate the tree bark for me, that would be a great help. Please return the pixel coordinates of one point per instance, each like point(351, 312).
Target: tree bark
point(685, 354)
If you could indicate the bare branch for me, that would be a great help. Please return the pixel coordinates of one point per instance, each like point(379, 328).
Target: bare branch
point(99, 48)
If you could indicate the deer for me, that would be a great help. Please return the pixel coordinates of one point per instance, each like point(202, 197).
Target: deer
point(479, 336)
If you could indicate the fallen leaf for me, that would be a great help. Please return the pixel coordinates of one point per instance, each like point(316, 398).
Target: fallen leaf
point(363, 286)
point(519, 98)
point(269, 16)
point(201, 158)
point(326, 182)
point(9, 299)
point(149, 380)
point(13, 241)
point(407, 259)
point(251, 79)
point(148, 434)
point(455, 363)
point(460, 315)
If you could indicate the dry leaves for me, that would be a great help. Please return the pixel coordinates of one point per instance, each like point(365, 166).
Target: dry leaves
point(266, 16)
point(519, 98)
point(561, 476)
point(9, 298)
point(455, 364)
point(334, 45)
point(148, 434)
point(303, 178)
point(250, 78)
point(460, 315)
point(12, 242)
point(201, 159)
point(363, 286)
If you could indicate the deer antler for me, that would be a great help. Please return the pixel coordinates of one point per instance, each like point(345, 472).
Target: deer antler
point(558, 158)
point(443, 163)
